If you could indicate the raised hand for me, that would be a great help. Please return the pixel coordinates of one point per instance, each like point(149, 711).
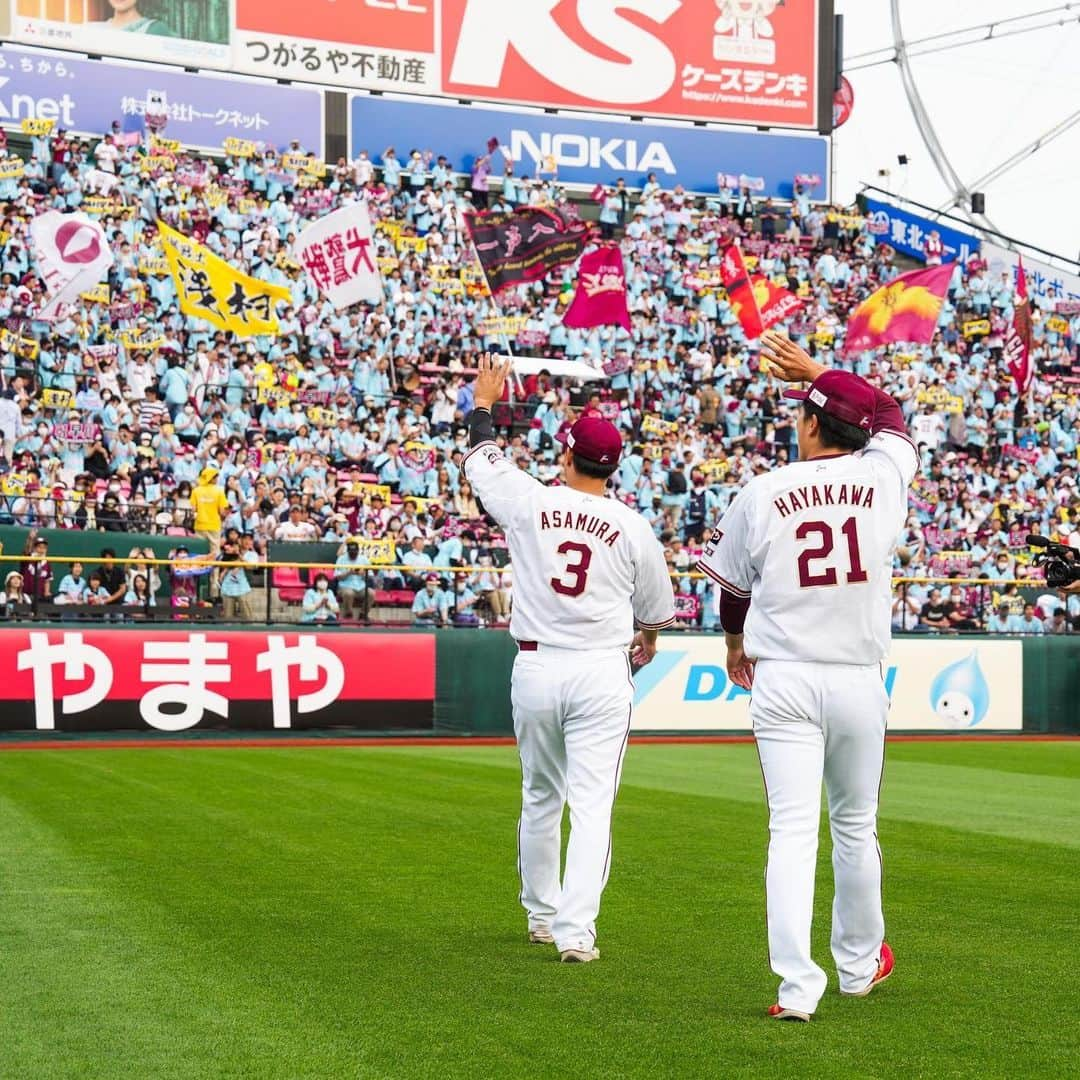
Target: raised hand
point(492, 373)
point(787, 360)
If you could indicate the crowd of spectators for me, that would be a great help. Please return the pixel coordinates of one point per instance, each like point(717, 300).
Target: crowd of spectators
point(351, 425)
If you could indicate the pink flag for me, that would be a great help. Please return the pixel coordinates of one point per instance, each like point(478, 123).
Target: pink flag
point(1018, 338)
point(600, 299)
point(906, 309)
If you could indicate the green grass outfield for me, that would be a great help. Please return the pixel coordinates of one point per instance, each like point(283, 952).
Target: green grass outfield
point(352, 913)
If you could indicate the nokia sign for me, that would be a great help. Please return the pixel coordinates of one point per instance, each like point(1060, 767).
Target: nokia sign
point(586, 152)
point(629, 156)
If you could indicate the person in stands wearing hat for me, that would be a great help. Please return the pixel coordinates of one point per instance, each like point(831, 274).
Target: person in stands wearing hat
point(296, 529)
point(14, 591)
point(236, 599)
point(36, 570)
point(210, 503)
point(320, 604)
point(351, 580)
point(430, 605)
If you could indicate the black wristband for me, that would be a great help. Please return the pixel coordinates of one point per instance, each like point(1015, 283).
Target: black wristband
point(480, 427)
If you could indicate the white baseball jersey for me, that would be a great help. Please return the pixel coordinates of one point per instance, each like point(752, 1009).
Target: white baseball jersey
point(585, 566)
point(813, 543)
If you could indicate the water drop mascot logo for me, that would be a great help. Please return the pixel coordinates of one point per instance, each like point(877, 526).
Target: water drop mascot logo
point(960, 695)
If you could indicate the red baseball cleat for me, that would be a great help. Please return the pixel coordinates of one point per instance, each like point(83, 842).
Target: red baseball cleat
point(886, 963)
point(777, 1012)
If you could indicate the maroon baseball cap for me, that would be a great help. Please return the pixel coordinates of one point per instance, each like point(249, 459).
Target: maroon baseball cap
point(595, 439)
point(843, 395)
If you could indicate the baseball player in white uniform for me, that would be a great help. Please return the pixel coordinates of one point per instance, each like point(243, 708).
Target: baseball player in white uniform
point(586, 568)
point(803, 556)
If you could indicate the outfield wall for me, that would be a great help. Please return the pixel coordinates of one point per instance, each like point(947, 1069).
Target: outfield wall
point(77, 678)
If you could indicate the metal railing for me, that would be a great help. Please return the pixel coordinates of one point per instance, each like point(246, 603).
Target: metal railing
point(191, 590)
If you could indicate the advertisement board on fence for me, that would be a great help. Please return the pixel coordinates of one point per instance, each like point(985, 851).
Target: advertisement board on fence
point(906, 232)
point(190, 32)
point(179, 680)
point(934, 684)
point(588, 152)
point(203, 110)
point(374, 44)
point(734, 62)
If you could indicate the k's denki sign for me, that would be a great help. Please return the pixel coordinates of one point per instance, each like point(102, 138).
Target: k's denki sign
point(733, 61)
point(169, 681)
point(739, 61)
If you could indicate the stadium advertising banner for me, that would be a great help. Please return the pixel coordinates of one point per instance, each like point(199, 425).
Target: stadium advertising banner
point(194, 33)
point(934, 684)
point(86, 96)
point(753, 62)
point(905, 232)
point(735, 61)
point(1044, 282)
point(588, 152)
point(363, 44)
point(172, 681)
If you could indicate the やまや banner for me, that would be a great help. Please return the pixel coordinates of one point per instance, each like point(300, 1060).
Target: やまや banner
point(166, 680)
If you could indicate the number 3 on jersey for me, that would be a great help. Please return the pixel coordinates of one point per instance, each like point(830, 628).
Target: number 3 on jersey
point(578, 558)
point(823, 532)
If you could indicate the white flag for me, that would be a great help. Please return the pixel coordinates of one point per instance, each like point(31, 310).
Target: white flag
point(72, 255)
point(338, 254)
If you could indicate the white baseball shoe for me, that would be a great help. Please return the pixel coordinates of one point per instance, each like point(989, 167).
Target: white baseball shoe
point(579, 956)
point(541, 936)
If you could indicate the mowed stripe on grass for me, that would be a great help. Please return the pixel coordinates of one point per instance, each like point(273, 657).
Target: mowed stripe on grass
point(338, 912)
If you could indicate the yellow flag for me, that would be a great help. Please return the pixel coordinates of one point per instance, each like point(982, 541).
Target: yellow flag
point(209, 288)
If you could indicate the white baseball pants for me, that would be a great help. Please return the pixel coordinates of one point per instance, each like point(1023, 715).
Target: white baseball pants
point(813, 721)
point(572, 721)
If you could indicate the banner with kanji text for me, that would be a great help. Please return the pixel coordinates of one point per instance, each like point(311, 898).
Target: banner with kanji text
point(337, 255)
point(524, 245)
point(209, 288)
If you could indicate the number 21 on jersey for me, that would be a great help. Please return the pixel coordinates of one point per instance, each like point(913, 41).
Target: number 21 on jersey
point(822, 540)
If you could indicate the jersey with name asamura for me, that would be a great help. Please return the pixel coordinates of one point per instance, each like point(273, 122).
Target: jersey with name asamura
point(585, 567)
point(812, 545)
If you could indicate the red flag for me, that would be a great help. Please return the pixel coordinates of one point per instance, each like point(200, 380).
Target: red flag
point(1018, 338)
point(598, 194)
point(492, 145)
point(906, 309)
point(758, 302)
point(600, 299)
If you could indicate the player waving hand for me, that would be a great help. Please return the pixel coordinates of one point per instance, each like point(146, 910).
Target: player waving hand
point(803, 558)
point(586, 569)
